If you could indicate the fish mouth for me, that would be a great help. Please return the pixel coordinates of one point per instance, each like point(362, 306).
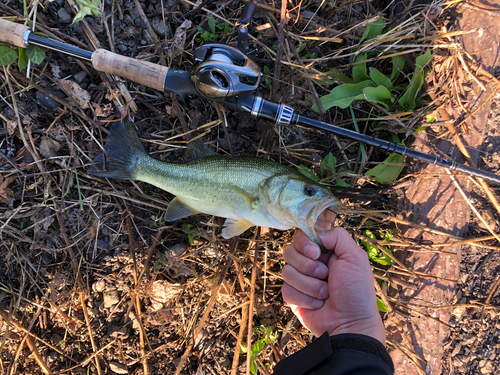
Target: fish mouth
point(319, 218)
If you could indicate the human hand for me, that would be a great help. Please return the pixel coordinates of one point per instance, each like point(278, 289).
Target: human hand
point(346, 301)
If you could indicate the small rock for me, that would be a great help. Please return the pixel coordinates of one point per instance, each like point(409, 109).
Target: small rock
point(158, 26)
point(64, 16)
point(118, 368)
point(9, 112)
point(46, 259)
point(486, 367)
point(179, 249)
point(111, 298)
point(52, 356)
point(101, 244)
point(80, 76)
point(46, 101)
point(122, 47)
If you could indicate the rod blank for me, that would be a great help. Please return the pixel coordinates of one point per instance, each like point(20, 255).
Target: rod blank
point(393, 147)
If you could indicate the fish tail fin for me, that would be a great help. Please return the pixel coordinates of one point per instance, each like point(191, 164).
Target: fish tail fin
point(121, 152)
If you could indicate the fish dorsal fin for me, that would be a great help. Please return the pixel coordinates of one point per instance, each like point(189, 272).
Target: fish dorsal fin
point(178, 210)
point(233, 227)
point(196, 149)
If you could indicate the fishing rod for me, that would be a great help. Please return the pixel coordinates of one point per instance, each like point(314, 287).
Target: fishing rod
point(222, 73)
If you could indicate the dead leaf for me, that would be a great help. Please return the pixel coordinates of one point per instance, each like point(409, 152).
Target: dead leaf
point(27, 120)
point(81, 96)
point(6, 194)
point(48, 147)
point(103, 112)
point(11, 126)
point(161, 292)
point(177, 47)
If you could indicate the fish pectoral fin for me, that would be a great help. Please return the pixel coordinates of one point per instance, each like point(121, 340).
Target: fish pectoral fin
point(253, 202)
point(178, 210)
point(233, 227)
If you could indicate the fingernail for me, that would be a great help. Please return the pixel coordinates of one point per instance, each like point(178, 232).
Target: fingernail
point(311, 252)
point(323, 292)
point(317, 304)
point(320, 272)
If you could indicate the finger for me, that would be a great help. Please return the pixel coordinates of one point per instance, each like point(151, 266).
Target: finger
point(304, 264)
point(297, 299)
point(340, 240)
point(308, 285)
point(305, 246)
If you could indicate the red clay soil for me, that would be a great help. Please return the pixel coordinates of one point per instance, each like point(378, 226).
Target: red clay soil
point(433, 200)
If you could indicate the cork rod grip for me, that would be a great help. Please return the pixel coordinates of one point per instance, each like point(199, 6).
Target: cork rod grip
point(12, 33)
point(143, 72)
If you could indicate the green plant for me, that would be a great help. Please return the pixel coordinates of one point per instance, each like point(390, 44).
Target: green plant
point(158, 220)
point(191, 233)
point(87, 7)
point(268, 337)
point(372, 85)
point(162, 260)
point(328, 167)
point(9, 55)
point(212, 35)
point(267, 74)
point(373, 251)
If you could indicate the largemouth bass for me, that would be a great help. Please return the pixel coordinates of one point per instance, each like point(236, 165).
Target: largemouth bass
point(247, 191)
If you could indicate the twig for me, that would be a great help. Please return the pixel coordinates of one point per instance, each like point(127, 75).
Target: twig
point(243, 325)
point(135, 297)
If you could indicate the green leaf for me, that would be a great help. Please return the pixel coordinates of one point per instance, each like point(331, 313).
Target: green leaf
point(381, 306)
point(379, 95)
point(384, 173)
point(374, 253)
point(328, 162)
point(253, 367)
point(359, 70)
point(398, 65)
point(307, 172)
point(343, 95)
point(35, 53)
point(22, 63)
point(419, 129)
point(7, 56)
point(430, 119)
point(211, 24)
point(340, 182)
point(371, 249)
point(388, 235)
point(301, 47)
point(407, 101)
point(373, 29)
point(380, 79)
point(336, 74)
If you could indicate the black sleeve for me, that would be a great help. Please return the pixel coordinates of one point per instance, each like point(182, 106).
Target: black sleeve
point(345, 354)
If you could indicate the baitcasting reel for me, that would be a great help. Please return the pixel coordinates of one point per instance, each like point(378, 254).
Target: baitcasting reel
point(223, 72)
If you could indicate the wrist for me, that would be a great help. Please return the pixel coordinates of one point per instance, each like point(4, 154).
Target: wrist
point(369, 327)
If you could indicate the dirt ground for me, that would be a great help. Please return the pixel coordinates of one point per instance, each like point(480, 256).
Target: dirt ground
point(93, 280)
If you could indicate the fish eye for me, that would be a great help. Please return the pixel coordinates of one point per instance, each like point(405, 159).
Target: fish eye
point(310, 191)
